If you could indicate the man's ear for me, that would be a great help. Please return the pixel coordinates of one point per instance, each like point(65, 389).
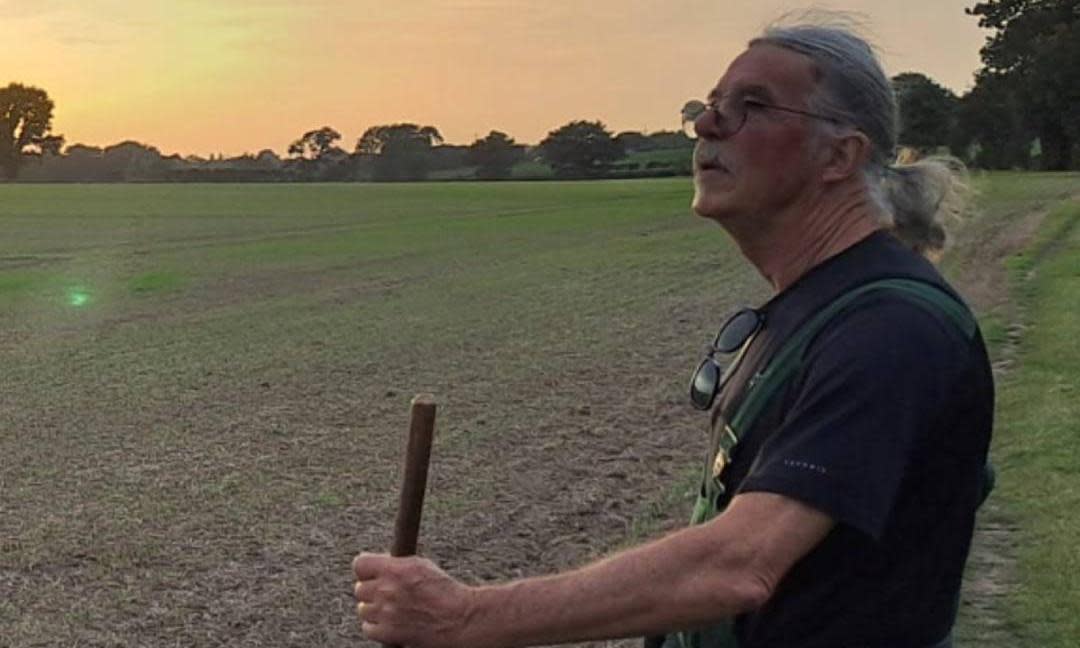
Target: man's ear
point(847, 155)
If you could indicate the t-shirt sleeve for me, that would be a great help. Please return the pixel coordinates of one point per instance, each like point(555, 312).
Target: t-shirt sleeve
point(873, 383)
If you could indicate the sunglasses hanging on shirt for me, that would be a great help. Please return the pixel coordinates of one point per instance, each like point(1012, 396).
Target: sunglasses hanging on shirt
point(735, 334)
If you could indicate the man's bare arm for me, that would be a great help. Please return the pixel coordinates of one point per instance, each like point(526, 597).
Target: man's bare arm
point(686, 579)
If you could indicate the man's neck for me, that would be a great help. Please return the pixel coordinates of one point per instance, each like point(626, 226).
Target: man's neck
point(807, 233)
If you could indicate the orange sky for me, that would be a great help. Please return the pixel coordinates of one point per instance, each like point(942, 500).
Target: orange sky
point(234, 76)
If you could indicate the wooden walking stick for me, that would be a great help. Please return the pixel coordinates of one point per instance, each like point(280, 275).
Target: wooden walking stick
point(417, 457)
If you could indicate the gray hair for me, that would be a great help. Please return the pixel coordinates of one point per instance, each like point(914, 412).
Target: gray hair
point(916, 199)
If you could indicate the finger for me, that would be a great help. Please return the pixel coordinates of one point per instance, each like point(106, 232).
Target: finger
point(374, 632)
point(385, 632)
point(367, 612)
point(364, 591)
point(366, 566)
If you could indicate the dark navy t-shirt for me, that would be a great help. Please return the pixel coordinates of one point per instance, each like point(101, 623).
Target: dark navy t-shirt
point(886, 430)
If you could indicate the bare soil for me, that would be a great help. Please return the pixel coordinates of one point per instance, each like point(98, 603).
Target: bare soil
point(201, 489)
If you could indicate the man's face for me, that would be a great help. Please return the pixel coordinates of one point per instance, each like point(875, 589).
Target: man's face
point(767, 164)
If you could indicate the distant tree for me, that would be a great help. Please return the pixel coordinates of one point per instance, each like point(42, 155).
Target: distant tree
point(130, 160)
point(51, 144)
point(376, 139)
point(671, 140)
point(927, 111)
point(315, 144)
point(990, 131)
point(83, 151)
point(580, 149)
point(79, 163)
point(445, 157)
point(632, 141)
point(335, 154)
point(495, 155)
point(267, 159)
point(1036, 49)
point(25, 122)
point(403, 151)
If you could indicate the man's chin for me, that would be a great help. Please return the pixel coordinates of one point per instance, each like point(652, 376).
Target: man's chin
point(710, 207)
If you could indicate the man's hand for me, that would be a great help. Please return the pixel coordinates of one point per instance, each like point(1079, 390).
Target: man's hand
point(410, 602)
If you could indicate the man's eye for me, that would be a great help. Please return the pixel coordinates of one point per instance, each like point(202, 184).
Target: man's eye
point(754, 104)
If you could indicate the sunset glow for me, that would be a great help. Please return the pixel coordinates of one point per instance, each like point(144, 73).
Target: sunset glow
point(234, 76)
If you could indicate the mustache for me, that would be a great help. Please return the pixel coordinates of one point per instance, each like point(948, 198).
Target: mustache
point(707, 155)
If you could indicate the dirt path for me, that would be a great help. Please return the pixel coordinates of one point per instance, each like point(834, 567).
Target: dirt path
point(991, 569)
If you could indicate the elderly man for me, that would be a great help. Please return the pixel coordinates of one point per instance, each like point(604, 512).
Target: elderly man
point(850, 430)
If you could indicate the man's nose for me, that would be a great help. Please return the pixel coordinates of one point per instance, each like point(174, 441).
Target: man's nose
point(707, 125)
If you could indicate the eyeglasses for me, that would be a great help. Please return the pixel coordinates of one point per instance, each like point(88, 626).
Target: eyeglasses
point(735, 334)
point(730, 115)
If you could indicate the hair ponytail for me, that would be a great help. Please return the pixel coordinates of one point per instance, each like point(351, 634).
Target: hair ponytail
point(923, 199)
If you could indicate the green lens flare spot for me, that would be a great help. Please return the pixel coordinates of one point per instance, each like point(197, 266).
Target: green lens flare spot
point(78, 298)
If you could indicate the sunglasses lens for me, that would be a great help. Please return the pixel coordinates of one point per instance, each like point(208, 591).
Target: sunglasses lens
point(737, 330)
point(703, 384)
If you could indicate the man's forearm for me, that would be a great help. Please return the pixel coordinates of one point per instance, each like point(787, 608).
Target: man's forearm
point(687, 579)
point(682, 580)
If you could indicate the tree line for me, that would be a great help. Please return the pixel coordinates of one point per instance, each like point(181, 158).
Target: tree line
point(384, 153)
point(1023, 112)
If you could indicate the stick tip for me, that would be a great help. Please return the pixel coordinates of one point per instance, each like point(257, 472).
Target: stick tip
point(423, 399)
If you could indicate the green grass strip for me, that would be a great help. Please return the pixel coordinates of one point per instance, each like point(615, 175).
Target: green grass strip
point(1037, 445)
point(154, 282)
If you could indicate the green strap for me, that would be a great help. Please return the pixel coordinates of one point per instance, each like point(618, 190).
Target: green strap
point(765, 384)
point(789, 360)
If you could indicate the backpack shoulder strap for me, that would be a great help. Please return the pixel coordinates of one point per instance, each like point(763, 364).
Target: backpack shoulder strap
point(764, 384)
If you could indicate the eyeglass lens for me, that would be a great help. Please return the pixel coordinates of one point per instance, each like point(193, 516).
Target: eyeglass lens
point(737, 330)
point(733, 334)
point(728, 116)
point(703, 386)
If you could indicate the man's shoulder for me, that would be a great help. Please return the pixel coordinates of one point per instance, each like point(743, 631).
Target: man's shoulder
point(878, 257)
point(891, 309)
point(882, 256)
point(896, 321)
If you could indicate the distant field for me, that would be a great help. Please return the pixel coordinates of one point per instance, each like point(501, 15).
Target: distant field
point(205, 387)
point(205, 391)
